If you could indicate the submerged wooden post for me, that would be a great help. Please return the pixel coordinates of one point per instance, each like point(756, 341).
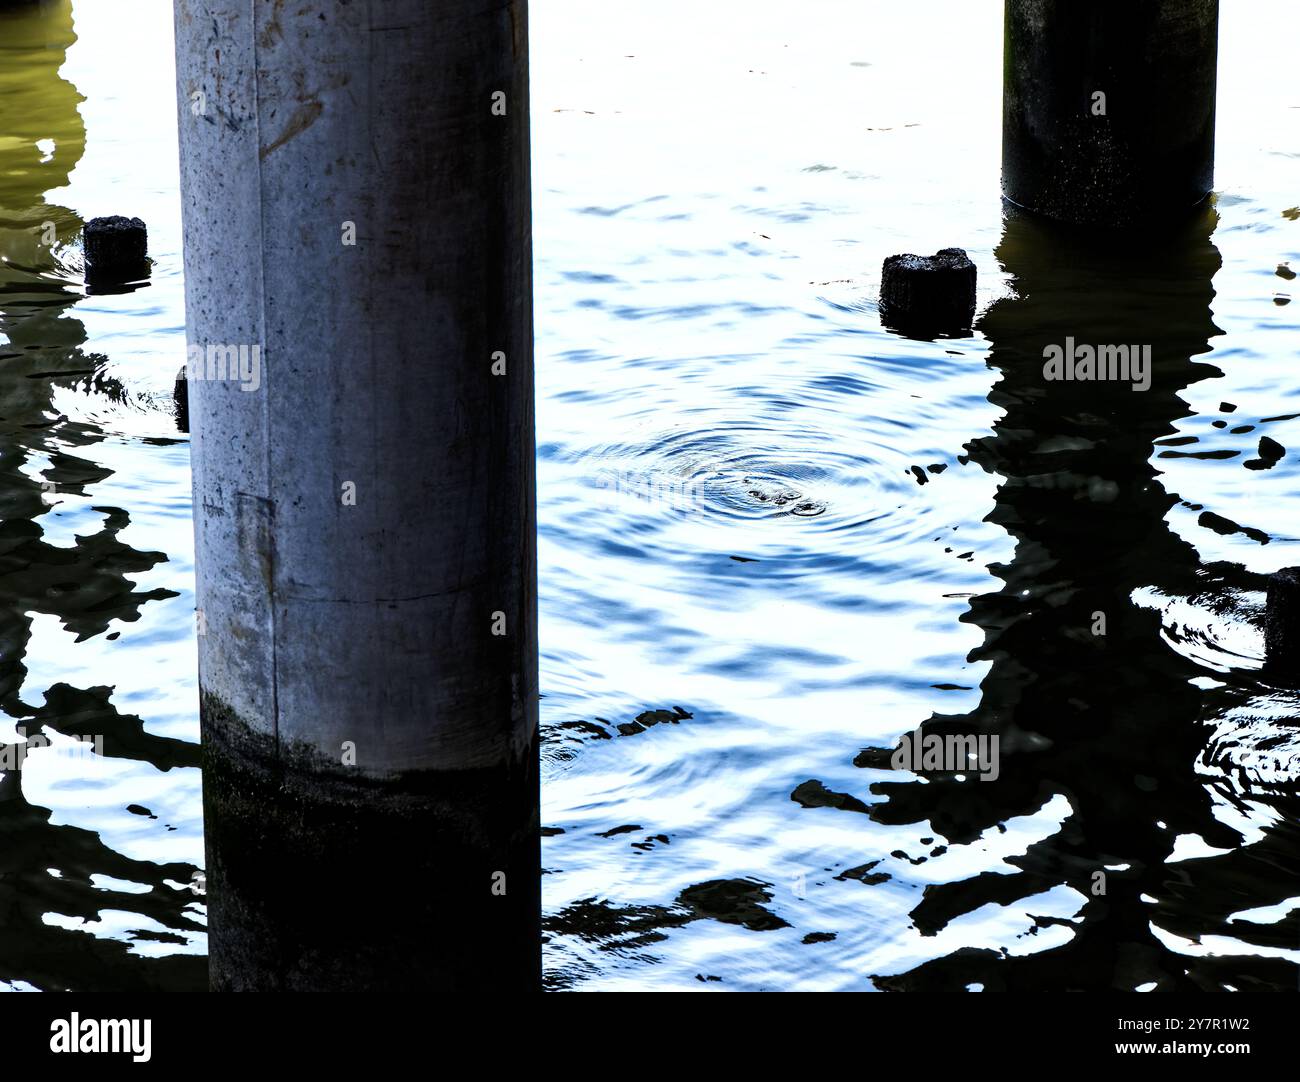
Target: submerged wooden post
point(355, 182)
point(928, 294)
point(1108, 108)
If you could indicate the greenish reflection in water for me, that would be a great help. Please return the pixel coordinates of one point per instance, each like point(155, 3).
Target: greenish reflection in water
point(48, 871)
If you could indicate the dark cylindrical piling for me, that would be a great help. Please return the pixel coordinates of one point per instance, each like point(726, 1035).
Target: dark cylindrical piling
point(358, 292)
point(116, 249)
point(928, 295)
point(1108, 108)
point(1282, 625)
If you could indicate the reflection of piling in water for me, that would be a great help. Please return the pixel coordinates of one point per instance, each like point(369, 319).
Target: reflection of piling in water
point(364, 515)
point(1088, 699)
point(1108, 107)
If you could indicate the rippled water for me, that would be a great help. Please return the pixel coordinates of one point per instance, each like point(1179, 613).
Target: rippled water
point(774, 537)
point(96, 613)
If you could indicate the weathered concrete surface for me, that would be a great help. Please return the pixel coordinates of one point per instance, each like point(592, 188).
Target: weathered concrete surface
point(363, 485)
point(1149, 156)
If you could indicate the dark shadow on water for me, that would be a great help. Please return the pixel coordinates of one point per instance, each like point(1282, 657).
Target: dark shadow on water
point(85, 585)
point(1111, 722)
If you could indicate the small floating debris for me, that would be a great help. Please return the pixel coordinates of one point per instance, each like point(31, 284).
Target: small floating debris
point(616, 831)
point(1270, 454)
point(733, 901)
point(1226, 526)
point(864, 874)
point(813, 794)
point(778, 497)
point(875, 759)
point(663, 717)
point(648, 718)
point(1200, 454)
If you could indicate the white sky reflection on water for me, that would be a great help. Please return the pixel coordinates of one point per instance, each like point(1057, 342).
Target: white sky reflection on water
point(715, 187)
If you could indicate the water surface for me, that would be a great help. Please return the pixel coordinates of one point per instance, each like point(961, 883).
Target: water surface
point(97, 851)
point(774, 536)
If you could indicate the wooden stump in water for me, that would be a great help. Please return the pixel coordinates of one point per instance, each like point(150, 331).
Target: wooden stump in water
point(933, 294)
point(116, 249)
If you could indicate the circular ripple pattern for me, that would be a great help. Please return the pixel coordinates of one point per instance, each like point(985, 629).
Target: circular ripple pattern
point(754, 475)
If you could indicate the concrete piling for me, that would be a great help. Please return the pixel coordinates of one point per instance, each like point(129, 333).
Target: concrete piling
point(356, 203)
point(1109, 107)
